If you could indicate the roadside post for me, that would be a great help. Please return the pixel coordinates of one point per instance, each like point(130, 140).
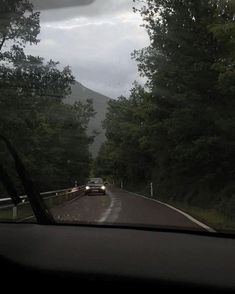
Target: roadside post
point(151, 190)
point(14, 212)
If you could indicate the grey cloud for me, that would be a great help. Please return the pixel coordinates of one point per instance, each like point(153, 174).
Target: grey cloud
point(110, 79)
point(97, 48)
point(57, 4)
point(92, 9)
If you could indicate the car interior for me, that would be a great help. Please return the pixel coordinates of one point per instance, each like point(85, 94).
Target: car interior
point(39, 253)
point(116, 256)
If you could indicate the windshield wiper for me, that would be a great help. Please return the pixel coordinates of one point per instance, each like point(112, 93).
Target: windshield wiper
point(39, 208)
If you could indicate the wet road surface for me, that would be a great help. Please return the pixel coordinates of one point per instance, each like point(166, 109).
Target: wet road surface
point(121, 207)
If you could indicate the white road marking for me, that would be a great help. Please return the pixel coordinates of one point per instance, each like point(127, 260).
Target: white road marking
point(204, 226)
point(112, 213)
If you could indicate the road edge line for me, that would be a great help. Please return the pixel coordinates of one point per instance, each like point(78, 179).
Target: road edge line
point(188, 216)
point(104, 217)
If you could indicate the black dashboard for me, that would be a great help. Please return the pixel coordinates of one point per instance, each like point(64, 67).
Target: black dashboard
point(98, 256)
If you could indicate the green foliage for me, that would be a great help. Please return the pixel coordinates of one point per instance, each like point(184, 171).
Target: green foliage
point(18, 23)
point(125, 153)
point(49, 135)
point(180, 132)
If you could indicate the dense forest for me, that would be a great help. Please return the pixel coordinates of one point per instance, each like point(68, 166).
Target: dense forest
point(178, 131)
point(49, 135)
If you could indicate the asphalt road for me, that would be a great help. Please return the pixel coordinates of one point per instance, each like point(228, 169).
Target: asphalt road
point(121, 207)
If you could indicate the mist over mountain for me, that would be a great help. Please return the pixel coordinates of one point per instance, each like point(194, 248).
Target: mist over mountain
point(100, 102)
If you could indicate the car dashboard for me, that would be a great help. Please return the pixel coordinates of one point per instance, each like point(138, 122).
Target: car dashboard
point(114, 256)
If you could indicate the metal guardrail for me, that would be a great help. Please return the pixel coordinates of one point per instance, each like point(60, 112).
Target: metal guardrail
point(7, 202)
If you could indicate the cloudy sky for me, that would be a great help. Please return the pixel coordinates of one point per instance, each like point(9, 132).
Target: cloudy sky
point(96, 40)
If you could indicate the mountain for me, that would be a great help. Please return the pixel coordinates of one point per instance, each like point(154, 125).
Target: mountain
point(100, 103)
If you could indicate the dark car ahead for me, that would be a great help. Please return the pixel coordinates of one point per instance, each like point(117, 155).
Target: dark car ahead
point(95, 186)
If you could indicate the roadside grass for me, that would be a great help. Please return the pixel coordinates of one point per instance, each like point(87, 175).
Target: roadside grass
point(210, 216)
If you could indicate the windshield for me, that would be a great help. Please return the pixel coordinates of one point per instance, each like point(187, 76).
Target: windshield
point(95, 181)
point(134, 96)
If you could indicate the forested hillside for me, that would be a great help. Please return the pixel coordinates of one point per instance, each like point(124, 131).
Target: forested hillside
point(179, 130)
point(100, 104)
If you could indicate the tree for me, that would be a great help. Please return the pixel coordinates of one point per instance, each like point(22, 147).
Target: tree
point(181, 129)
point(19, 23)
point(124, 155)
point(181, 65)
point(49, 135)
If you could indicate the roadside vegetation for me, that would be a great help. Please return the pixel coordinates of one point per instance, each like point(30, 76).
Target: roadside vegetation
point(178, 131)
point(49, 135)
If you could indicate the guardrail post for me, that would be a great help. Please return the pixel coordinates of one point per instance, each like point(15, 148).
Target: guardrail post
point(14, 212)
